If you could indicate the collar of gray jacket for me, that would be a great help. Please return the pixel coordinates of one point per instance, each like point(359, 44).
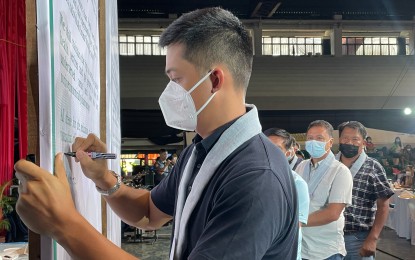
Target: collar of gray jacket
point(246, 127)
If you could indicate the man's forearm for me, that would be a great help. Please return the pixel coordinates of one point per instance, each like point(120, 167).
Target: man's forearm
point(381, 216)
point(131, 205)
point(326, 215)
point(82, 241)
point(319, 218)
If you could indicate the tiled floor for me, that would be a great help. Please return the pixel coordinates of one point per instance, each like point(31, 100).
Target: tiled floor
point(390, 246)
point(150, 248)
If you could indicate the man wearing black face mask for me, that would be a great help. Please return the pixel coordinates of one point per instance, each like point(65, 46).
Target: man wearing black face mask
point(363, 222)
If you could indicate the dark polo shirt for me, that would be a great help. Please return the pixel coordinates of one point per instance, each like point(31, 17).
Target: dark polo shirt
point(248, 210)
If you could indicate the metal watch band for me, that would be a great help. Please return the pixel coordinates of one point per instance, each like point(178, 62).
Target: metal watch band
point(113, 189)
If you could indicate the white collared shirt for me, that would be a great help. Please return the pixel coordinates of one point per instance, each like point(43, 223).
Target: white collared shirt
point(293, 162)
point(321, 242)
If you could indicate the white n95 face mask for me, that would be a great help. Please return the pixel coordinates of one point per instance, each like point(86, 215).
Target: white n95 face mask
point(178, 107)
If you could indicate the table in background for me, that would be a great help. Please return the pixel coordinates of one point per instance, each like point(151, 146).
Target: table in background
point(17, 245)
point(402, 217)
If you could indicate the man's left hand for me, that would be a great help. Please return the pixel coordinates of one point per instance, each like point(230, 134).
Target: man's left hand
point(45, 203)
point(368, 248)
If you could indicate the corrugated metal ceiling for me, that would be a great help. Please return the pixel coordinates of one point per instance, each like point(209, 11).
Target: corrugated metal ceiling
point(274, 9)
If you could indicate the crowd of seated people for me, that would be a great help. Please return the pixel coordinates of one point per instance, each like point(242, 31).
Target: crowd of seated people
point(394, 159)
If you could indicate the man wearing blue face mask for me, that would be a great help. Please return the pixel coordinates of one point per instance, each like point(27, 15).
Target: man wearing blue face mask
point(369, 211)
point(330, 189)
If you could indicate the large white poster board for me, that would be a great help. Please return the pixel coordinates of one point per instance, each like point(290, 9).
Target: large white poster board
point(69, 96)
point(113, 120)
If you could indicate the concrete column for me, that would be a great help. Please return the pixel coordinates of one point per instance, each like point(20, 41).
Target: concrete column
point(412, 39)
point(257, 39)
point(336, 37)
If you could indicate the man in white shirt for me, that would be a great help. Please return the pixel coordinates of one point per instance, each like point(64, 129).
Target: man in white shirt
point(330, 186)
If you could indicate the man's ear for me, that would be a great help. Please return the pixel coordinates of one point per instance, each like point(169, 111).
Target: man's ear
point(217, 77)
point(331, 141)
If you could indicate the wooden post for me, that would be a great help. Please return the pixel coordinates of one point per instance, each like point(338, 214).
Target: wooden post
point(32, 103)
point(103, 97)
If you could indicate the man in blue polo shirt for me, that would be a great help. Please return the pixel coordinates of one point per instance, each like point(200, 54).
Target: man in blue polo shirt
point(231, 193)
point(283, 140)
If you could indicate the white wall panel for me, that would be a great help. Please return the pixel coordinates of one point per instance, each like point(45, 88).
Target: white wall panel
point(322, 82)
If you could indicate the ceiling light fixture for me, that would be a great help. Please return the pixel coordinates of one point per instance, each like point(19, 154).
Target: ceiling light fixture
point(407, 111)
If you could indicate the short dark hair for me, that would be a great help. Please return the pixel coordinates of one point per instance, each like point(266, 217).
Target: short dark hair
point(162, 151)
point(354, 125)
point(323, 123)
point(288, 139)
point(297, 144)
point(213, 35)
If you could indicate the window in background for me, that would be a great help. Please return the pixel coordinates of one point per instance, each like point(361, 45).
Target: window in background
point(140, 45)
point(292, 46)
point(407, 50)
point(126, 45)
point(372, 46)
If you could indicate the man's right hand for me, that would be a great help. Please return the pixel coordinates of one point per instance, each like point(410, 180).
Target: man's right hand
point(97, 169)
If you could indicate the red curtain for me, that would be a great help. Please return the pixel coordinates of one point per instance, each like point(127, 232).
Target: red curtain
point(13, 83)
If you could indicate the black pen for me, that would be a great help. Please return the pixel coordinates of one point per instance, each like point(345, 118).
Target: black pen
point(95, 155)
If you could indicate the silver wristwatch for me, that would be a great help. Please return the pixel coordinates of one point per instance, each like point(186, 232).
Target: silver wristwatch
point(114, 188)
